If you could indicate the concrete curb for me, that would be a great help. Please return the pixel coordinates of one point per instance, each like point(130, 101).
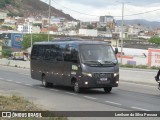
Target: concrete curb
point(15, 63)
point(139, 82)
point(26, 65)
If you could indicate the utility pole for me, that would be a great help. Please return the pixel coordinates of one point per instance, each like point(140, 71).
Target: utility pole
point(122, 26)
point(49, 17)
point(31, 38)
point(30, 31)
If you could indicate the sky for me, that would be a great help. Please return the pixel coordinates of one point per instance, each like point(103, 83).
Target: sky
point(90, 10)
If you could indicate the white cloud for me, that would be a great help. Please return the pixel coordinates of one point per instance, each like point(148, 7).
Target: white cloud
point(88, 7)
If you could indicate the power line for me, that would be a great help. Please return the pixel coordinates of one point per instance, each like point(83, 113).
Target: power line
point(113, 15)
point(75, 10)
point(141, 13)
point(46, 1)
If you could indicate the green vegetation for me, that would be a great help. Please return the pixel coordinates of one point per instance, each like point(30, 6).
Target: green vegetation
point(102, 29)
point(15, 103)
point(26, 43)
point(155, 39)
point(6, 53)
point(37, 24)
point(7, 27)
point(138, 66)
point(89, 26)
point(78, 26)
point(15, 14)
point(4, 2)
point(8, 1)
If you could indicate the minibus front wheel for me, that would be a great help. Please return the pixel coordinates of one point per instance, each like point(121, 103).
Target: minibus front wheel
point(107, 89)
point(44, 82)
point(76, 87)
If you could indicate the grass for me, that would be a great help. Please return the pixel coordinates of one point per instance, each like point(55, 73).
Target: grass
point(139, 66)
point(15, 103)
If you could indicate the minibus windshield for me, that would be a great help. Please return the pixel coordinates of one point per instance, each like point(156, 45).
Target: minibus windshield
point(97, 54)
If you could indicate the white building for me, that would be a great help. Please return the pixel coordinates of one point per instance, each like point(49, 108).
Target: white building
point(71, 24)
point(28, 28)
point(20, 28)
point(3, 15)
point(88, 32)
point(25, 28)
point(10, 20)
point(106, 19)
point(36, 29)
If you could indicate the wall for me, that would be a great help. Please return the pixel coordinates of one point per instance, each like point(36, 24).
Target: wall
point(88, 32)
point(131, 56)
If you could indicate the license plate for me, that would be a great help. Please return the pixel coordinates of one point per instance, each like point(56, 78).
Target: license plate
point(103, 79)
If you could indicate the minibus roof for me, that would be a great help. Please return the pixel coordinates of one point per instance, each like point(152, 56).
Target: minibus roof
point(71, 41)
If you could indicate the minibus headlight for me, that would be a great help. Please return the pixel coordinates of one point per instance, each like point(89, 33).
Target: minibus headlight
point(87, 74)
point(115, 74)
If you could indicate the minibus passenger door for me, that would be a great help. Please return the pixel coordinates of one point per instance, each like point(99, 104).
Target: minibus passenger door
point(70, 62)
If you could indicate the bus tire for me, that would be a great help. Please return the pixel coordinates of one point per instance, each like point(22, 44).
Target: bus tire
point(107, 89)
point(76, 87)
point(44, 82)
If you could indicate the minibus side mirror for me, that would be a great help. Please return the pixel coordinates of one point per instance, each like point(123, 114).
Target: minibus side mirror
point(116, 50)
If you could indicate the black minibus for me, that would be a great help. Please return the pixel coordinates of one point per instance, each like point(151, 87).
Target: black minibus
point(76, 63)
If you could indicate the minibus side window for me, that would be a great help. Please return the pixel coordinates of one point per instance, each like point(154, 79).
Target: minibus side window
point(56, 53)
point(71, 53)
point(47, 54)
point(41, 52)
point(74, 54)
point(34, 54)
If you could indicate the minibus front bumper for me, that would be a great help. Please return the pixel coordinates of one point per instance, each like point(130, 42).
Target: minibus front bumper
point(99, 80)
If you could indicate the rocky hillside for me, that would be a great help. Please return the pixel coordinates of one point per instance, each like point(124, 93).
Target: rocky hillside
point(30, 8)
point(141, 22)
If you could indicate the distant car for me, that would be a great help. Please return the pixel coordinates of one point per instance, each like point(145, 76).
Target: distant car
point(19, 56)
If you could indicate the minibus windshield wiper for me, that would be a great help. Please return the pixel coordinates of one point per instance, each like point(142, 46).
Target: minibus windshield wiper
point(93, 61)
point(109, 62)
point(99, 62)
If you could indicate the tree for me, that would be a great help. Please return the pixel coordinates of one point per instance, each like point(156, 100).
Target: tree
point(26, 43)
point(155, 39)
point(38, 24)
point(102, 29)
point(6, 53)
point(78, 26)
point(7, 27)
point(89, 26)
point(2, 3)
point(8, 1)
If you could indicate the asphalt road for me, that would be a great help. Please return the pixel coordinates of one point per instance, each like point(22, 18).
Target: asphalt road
point(127, 97)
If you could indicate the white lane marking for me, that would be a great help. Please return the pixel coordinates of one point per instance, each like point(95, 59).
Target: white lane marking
point(28, 85)
point(24, 74)
point(70, 93)
point(8, 80)
point(140, 108)
point(90, 97)
point(113, 103)
point(18, 82)
point(54, 90)
point(41, 87)
point(136, 84)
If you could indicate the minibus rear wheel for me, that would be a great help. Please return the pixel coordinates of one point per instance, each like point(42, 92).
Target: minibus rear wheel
point(44, 82)
point(76, 87)
point(107, 89)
